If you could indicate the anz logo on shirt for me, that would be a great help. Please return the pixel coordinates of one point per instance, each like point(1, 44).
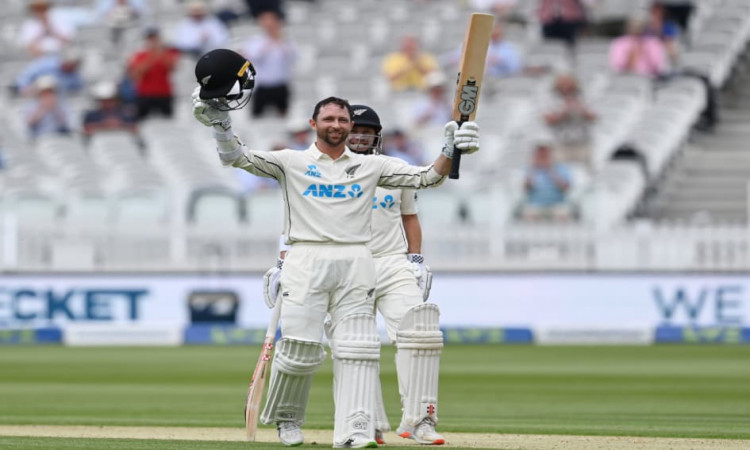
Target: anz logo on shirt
point(312, 171)
point(387, 202)
point(333, 191)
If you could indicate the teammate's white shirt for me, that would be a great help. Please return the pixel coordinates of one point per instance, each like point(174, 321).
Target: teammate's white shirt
point(330, 201)
point(388, 235)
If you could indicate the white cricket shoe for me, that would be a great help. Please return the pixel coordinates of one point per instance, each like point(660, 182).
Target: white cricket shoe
point(424, 433)
point(357, 441)
point(379, 437)
point(290, 434)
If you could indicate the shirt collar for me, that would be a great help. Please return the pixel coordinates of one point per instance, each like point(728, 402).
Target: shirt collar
point(317, 154)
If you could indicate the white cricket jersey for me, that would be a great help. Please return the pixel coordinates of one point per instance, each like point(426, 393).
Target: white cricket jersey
point(330, 201)
point(388, 235)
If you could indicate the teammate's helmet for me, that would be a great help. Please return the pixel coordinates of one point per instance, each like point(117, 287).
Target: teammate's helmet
point(227, 79)
point(367, 144)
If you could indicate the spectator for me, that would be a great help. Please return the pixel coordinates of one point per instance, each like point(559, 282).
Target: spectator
point(273, 55)
point(258, 7)
point(666, 29)
point(199, 32)
point(120, 15)
point(436, 107)
point(407, 68)
point(637, 52)
point(47, 113)
point(503, 57)
point(110, 114)
point(398, 145)
point(299, 135)
point(570, 120)
point(65, 67)
point(44, 32)
point(547, 183)
point(150, 71)
point(562, 19)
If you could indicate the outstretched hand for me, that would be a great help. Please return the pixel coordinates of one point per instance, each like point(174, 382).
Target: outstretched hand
point(208, 115)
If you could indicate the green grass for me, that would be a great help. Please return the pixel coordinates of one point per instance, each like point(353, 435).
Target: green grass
point(668, 391)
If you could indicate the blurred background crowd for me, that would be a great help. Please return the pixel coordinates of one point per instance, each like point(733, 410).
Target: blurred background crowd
point(595, 114)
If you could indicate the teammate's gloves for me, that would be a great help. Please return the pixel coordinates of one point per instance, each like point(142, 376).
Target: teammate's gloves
point(208, 115)
point(465, 138)
point(272, 283)
point(422, 272)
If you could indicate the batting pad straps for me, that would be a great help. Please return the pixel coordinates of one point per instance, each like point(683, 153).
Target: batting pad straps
point(355, 347)
point(419, 344)
point(294, 365)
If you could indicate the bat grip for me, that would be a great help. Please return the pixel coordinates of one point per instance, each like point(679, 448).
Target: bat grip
point(456, 160)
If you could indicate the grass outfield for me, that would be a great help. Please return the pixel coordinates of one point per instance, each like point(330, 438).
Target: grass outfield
point(660, 391)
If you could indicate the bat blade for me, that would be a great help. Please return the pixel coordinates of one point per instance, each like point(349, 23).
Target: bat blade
point(260, 375)
point(470, 75)
point(255, 390)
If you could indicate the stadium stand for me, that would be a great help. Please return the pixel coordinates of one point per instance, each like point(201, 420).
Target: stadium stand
point(123, 207)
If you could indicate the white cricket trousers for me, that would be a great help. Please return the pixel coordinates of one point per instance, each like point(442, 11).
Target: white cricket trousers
point(396, 290)
point(321, 279)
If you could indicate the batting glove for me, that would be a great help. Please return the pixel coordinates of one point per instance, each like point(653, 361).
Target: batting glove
point(272, 284)
point(422, 272)
point(208, 115)
point(466, 138)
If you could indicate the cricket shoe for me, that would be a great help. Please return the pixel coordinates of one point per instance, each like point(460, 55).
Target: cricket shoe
point(424, 433)
point(290, 434)
point(356, 441)
point(379, 437)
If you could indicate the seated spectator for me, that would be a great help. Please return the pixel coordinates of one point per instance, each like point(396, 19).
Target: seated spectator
point(299, 135)
point(110, 114)
point(666, 29)
point(679, 11)
point(120, 15)
point(570, 120)
point(273, 55)
point(503, 57)
point(47, 113)
point(547, 183)
point(199, 32)
point(65, 67)
point(150, 70)
point(637, 52)
point(436, 107)
point(257, 7)
point(44, 32)
point(562, 19)
point(398, 145)
point(406, 69)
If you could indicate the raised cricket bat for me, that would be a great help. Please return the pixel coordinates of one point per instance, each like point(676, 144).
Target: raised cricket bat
point(470, 75)
point(258, 381)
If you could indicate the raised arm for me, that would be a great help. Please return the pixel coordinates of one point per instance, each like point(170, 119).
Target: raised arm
point(232, 151)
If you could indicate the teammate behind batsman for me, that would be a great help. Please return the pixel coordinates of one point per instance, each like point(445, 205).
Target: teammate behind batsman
point(402, 286)
point(329, 270)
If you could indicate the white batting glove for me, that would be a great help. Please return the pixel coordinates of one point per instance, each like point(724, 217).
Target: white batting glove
point(466, 138)
point(422, 272)
point(450, 138)
point(272, 284)
point(208, 115)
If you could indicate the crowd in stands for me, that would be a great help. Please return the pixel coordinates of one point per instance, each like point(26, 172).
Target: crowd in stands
point(648, 45)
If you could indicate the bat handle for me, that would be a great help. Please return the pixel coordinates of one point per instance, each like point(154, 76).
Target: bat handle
point(456, 160)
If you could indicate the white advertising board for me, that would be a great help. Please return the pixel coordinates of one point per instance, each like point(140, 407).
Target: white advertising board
point(465, 300)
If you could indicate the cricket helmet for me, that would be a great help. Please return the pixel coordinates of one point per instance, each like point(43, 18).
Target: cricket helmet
point(226, 79)
point(367, 144)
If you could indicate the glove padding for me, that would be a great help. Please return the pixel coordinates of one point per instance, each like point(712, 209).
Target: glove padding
point(208, 115)
point(272, 284)
point(422, 272)
point(465, 138)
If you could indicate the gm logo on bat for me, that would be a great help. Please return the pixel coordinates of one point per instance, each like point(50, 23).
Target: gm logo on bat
point(469, 93)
